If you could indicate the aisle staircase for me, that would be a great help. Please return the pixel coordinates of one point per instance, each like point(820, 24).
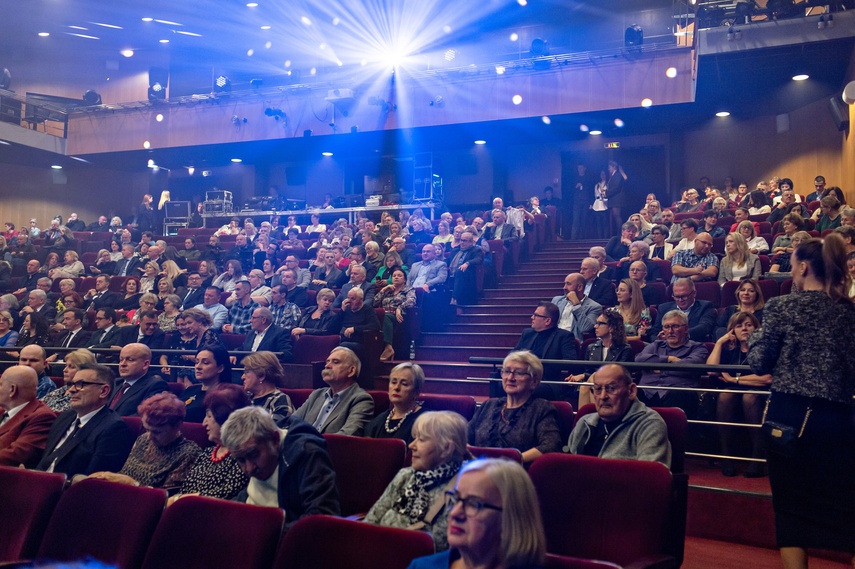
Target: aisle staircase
point(493, 327)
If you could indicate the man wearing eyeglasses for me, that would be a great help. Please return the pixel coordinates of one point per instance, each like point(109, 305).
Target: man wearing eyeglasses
point(673, 346)
point(547, 341)
point(701, 313)
point(698, 263)
point(89, 437)
point(623, 427)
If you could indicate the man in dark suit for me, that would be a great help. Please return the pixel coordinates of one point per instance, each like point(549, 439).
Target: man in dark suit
point(599, 289)
point(101, 296)
point(147, 332)
point(358, 279)
point(701, 313)
point(89, 437)
point(29, 281)
point(343, 408)
point(137, 382)
point(265, 336)
point(100, 226)
point(107, 333)
point(37, 302)
point(462, 268)
point(194, 293)
point(25, 424)
point(547, 341)
point(74, 335)
point(499, 229)
point(128, 264)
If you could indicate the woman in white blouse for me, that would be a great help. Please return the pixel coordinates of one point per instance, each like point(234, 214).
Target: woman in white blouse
point(756, 244)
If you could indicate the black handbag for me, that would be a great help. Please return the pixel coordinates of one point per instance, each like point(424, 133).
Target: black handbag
point(782, 438)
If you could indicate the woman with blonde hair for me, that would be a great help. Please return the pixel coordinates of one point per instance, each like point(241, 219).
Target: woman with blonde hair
point(738, 262)
point(149, 277)
point(756, 244)
point(493, 520)
point(170, 270)
point(636, 316)
point(72, 268)
point(59, 400)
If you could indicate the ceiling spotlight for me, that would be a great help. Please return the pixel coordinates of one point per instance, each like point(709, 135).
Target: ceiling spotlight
point(500, 70)
point(646, 102)
point(274, 112)
point(514, 36)
point(722, 114)
point(516, 99)
point(480, 142)
point(191, 170)
point(584, 128)
point(146, 144)
point(164, 41)
point(546, 120)
point(127, 52)
point(91, 98)
point(252, 5)
point(56, 167)
point(326, 154)
point(633, 36)
point(619, 123)
point(437, 102)
point(539, 47)
point(158, 117)
point(595, 132)
point(801, 77)
point(150, 162)
point(237, 160)
point(222, 84)
point(671, 72)
point(158, 81)
point(44, 34)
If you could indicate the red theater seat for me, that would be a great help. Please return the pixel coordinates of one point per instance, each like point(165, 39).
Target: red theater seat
point(28, 499)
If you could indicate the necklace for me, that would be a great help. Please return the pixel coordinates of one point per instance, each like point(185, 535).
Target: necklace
point(606, 428)
point(505, 420)
point(214, 457)
point(400, 421)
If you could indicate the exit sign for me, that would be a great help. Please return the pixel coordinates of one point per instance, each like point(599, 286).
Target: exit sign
point(612, 145)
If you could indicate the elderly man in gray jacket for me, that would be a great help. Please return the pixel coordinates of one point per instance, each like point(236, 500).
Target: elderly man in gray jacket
point(623, 427)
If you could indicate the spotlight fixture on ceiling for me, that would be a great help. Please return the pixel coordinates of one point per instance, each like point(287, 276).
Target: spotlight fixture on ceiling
point(438, 102)
point(222, 84)
point(91, 98)
point(5, 79)
point(386, 106)
point(539, 50)
point(633, 36)
point(237, 121)
point(274, 112)
point(158, 81)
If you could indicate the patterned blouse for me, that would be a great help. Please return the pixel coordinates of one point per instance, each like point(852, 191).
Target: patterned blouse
point(278, 404)
point(632, 329)
point(58, 400)
point(160, 467)
point(807, 345)
point(223, 479)
point(391, 300)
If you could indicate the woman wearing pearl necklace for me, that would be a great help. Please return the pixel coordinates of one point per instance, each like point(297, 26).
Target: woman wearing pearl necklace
point(405, 386)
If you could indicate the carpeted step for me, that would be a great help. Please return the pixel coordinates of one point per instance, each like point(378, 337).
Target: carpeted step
point(499, 318)
point(460, 353)
point(506, 340)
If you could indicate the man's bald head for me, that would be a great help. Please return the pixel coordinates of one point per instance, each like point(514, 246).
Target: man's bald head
point(18, 385)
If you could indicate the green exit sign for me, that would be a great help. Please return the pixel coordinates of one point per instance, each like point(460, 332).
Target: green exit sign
point(612, 145)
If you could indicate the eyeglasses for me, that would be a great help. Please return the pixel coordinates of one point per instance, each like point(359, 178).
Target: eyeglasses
point(600, 323)
point(78, 385)
point(682, 296)
point(611, 389)
point(670, 327)
point(536, 315)
point(514, 373)
point(472, 506)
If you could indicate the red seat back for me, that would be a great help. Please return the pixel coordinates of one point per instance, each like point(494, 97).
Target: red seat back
point(28, 499)
point(381, 400)
point(562, 562)
point(298, 396)
point(364, 467)
point(462, 404)
point(200, 533)
point(357, 545)
point(582, 524)
point(496, 452)
point(104, 520)
point(309, 348)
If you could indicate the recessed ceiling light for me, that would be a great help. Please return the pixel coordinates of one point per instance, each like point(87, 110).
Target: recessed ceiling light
point(646, 102)
point(306, 21)
point(237, 160)
point(722, 114)
point(500, 70)
point(107, 26)
point(146, 144)
point(516, 99)
point(158, 117)
point(584, 128)
point(127, 52)
point(801, 77)
point(514, 36)
point(595, 132)
point(164, 41)
point(44, 34)
point(148, 19)
point(183, 33)
point(326, 153)
point(252, 4)
point(671, 72)
point(168, 22)
point(4, 143)
point(265, 27)
point(619, 123)
point(479, 142)
point(56, 167)
point(84, 36)
point(546, 120)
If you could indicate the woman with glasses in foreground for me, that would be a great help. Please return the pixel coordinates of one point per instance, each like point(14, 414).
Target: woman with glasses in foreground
point(520, 420)
point(493, 520)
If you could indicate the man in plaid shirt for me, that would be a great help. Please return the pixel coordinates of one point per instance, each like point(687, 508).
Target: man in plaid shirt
point(698, 263)
point(286, 314)
point(241, 311)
